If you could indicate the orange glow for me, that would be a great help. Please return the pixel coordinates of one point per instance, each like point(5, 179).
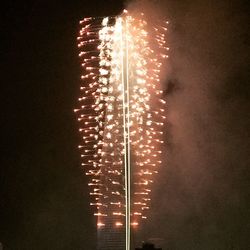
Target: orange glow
point(134, 224)
point(99, 224)
point(118, 224)
point(112, 51)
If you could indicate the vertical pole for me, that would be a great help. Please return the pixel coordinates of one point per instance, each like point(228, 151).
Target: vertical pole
point(128, 134)
point(126, 124)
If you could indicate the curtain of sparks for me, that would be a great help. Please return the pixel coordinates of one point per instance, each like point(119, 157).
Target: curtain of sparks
point(121, 114)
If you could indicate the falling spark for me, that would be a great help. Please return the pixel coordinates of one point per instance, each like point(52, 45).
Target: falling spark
point(121, 114)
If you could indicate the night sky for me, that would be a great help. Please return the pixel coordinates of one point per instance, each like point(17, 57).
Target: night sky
point(44, 201)
point(201, 200)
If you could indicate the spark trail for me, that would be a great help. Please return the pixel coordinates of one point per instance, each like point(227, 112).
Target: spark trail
point(121, 117)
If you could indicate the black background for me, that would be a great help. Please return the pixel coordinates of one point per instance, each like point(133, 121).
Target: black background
point(44, 201)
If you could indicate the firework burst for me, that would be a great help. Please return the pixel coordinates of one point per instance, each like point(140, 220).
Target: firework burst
point(121, 114)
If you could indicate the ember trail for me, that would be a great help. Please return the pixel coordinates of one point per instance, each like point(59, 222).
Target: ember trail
point(121, 118)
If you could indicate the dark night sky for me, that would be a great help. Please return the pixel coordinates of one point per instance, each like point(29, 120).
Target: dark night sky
point(44, 202)
point(44, 199)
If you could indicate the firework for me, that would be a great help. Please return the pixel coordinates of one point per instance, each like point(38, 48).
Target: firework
point(121, 115)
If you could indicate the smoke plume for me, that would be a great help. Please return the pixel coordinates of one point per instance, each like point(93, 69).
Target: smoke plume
point(200, 197)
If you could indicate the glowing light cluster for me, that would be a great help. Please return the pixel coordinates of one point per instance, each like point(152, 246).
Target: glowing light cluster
point(121, 113)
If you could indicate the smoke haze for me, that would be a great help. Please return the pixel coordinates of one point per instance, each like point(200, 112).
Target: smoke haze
point(200, 197)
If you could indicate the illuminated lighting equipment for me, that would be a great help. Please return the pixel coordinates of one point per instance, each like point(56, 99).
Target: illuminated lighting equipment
point(121, 118)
